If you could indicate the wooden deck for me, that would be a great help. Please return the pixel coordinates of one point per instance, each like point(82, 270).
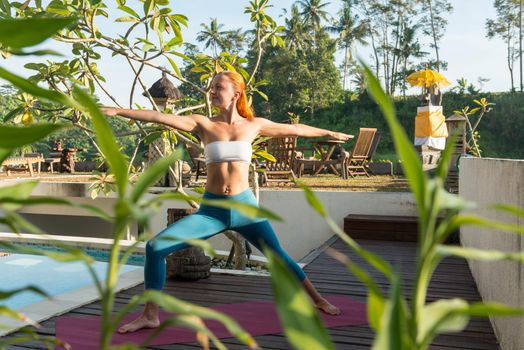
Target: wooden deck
point(452, 279)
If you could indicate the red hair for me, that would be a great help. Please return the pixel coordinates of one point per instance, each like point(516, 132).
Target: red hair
point(243, 107)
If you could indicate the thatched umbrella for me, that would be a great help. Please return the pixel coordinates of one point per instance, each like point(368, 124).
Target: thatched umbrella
point(163, 91)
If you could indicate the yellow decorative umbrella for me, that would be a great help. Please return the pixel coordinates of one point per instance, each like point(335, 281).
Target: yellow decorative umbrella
point(427, 78)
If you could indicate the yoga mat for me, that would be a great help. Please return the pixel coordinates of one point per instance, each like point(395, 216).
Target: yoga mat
point(256, 317)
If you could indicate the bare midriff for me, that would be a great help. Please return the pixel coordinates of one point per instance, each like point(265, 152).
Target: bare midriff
point(227, 178)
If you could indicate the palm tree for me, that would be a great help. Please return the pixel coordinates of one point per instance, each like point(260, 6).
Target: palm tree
point(296, 34)
point(350, 31)
point(312, 12)
point(233, 40)
point(212, 35)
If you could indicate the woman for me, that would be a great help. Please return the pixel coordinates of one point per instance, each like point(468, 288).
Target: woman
point(227, 138)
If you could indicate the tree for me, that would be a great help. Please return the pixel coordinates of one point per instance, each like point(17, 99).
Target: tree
point(350, 30)
point(409, 47)
point(435, 23)
point(212, 35)
point(505, 26)
point(301, 80)
point(296, 32)
point(313, 12)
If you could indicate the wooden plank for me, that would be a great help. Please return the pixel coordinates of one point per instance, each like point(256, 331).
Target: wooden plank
point(451, 279)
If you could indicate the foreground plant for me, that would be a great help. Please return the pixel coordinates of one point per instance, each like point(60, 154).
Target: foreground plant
point(130, 206)
point(400, 322)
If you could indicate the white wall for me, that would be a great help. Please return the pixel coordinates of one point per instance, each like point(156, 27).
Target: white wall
point(302, 231)
point(490, 181)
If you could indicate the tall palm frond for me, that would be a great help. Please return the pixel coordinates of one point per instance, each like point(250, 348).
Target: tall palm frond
point(212, 35)
point(296, 33)
point(313, 12)
point(350, 30)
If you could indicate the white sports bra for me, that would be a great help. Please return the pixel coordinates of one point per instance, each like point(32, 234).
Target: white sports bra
point(228, 151)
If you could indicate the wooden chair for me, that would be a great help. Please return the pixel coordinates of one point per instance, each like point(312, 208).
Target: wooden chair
point(372, 151)
point(355, 164)
point(284, 151)
point(198, 159)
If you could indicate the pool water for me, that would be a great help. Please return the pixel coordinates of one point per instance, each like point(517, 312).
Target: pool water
point(54, 278)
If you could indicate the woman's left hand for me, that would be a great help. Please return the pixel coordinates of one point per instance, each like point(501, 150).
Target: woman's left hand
point(340, 136)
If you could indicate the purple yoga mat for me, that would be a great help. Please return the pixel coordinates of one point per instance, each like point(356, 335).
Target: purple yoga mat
point(256, 317)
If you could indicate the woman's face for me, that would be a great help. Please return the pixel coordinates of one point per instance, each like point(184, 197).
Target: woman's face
point(223, 92)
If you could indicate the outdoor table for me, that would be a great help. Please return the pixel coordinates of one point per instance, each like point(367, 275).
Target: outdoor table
point(325, 149)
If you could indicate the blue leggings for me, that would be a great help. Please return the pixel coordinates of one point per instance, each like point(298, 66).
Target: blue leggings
point(205, 223)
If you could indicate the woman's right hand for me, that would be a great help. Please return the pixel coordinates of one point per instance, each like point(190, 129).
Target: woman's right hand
point(109, 111)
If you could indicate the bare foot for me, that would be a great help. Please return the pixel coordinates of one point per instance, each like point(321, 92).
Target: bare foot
point(325, 306)
point(141, 322)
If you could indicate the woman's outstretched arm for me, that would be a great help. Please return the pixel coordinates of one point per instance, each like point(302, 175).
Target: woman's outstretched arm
point(186, 123)
point(269, 128)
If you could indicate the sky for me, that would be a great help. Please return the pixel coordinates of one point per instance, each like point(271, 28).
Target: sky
point(469, 54)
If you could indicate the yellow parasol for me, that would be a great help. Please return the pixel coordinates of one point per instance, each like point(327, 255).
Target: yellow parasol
point(427, 78)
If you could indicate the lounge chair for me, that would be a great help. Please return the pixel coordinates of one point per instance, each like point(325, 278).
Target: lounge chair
point(355, 163)
point(372, 151)
point(284, 151)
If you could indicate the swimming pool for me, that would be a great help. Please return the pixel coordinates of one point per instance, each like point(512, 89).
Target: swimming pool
point(54, 278)
point(68, 284)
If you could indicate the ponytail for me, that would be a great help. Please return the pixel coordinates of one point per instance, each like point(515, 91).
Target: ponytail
point(243, 106)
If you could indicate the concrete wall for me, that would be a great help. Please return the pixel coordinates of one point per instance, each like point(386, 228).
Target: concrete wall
point(489, 181)
point(302, 231)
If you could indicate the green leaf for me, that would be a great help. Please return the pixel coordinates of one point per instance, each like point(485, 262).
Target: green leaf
point(462, 220)
point(410, 160)
point(251, 211)
point(453, 315)
point(56, 201)
point(264, 154)
point(263, 95)
point(9, 293)
point(69, 253)
point(191, 322)
point(179, 307)
point(200, 243)
point(313, 201)
point(19, 33)
point(13, 137)
point(441, 316)
point(248, 210)
point(302, 325)
point(480, 254)
point(5, 311)
point(18, 52)
point(448, 200)
point(179, 19)
point(152, 137)
point(4, 153)
point(13, 114)
point(127, 19)
point(374, 260)
point(129, 10)
point(510, 209)
point(152, 174)
point(20, 190)
point(445, 157)
point(392, 324)
point(175, 67)
point(376, 301)
point(106, 140)
point(27, 86)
